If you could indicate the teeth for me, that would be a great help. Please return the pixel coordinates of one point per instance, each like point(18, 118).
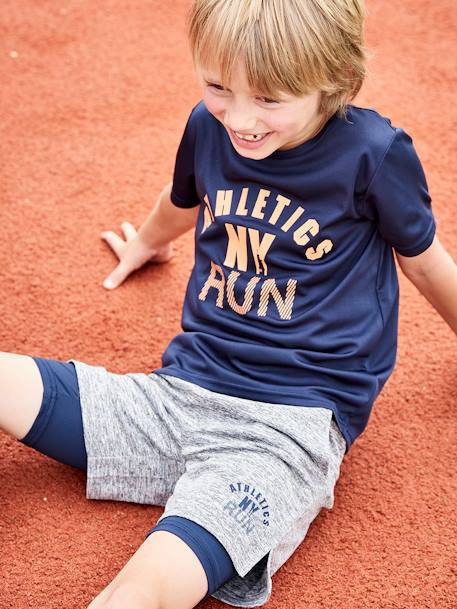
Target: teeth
point(249, 138)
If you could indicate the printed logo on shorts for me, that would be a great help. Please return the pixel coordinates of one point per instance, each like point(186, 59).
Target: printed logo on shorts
point(247, 507)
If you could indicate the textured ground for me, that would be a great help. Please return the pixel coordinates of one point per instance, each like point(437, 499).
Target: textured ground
point(93, 99)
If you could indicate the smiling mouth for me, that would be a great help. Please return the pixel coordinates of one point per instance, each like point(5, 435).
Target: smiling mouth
point(248, 137)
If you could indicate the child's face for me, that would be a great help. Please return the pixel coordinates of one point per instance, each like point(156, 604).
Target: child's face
point(258, 126)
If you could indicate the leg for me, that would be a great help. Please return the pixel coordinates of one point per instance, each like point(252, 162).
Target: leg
point(183, 554)
point(21, 393)
point(164, 573)
point(40, 406)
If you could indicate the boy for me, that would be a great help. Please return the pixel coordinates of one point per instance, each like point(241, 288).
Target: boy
point(290, 315)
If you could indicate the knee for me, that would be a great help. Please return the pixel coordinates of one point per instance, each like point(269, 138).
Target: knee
point(126, 596)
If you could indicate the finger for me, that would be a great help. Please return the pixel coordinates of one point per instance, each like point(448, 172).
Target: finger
point(115, 242)
point(117, 276)
point(128, 230)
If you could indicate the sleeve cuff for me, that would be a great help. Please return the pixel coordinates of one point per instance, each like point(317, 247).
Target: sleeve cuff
point(180, 202)
point(421, 247)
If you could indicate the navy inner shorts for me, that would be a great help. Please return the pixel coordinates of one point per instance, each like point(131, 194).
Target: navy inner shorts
point(58, 433)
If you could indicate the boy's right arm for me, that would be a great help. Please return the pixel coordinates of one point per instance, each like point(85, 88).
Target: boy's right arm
point(152, 242)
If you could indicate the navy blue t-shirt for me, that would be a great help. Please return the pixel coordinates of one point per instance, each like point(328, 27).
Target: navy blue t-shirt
point(293, 298)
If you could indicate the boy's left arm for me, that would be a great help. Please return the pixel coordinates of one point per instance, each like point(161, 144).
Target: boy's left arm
point(434, 273)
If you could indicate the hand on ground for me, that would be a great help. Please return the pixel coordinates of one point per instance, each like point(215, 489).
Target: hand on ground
point(132, 253)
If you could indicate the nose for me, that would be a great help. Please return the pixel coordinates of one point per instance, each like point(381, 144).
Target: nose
point(240, 117)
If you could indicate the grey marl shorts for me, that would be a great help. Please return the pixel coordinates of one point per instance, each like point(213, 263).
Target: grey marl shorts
point(253, 474)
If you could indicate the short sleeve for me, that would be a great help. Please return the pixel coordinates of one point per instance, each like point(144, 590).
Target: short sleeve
point(398, 200)
point(184, 192)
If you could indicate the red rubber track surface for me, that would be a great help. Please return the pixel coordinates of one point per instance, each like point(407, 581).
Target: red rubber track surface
point(93, 100)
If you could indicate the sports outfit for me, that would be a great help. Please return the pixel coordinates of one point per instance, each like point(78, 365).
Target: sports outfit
point(289, 334)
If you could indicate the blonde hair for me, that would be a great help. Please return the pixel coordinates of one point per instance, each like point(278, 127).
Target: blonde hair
point(292, 46)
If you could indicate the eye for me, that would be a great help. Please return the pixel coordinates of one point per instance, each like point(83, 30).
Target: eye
point(267, 100)
point(215, 86)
